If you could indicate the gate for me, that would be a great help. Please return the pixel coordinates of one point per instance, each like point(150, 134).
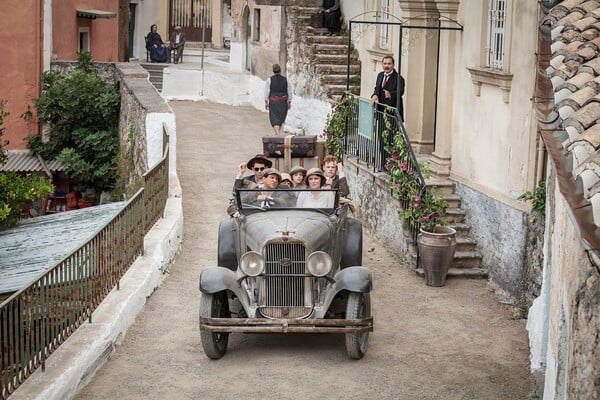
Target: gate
point(194, 17)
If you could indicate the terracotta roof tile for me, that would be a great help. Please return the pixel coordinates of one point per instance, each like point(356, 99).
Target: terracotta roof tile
point(587, 52)
point(588, 114)
point(585, 23)
point(583, 95)
point(592, 136)
point(589, 5)
point(580, 79)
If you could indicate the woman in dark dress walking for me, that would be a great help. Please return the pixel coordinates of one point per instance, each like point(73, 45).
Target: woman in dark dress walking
point(278, 98)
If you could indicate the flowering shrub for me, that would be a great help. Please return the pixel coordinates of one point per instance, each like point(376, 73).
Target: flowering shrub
point(421, 207)
point(403, 179)
point(427, 209)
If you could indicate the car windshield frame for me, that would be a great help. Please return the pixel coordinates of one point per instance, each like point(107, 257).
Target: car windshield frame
point(284, 199)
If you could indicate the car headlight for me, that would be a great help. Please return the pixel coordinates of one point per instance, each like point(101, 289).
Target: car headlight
point(252, 263)
point(319, 263)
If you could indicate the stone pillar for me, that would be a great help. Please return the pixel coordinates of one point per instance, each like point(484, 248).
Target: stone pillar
point(430, 133)
point(216, 11)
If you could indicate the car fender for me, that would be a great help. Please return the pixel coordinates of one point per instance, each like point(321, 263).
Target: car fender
point(353, 279)
point(226, 254)
point(217, 279)
point(352, 244)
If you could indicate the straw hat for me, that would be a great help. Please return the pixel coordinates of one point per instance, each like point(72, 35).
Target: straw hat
point(318, 172)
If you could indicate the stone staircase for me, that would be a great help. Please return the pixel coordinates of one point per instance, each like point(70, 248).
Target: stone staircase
point(467, 260)
point(326, 56)
point(155, 72)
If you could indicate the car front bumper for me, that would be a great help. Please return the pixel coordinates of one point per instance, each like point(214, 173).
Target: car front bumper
point(264, 325)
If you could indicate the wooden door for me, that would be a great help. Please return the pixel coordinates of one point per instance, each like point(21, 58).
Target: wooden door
point(195, 18)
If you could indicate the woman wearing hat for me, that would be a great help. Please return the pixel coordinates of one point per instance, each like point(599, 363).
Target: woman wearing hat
point(298, 175)
point(315, 198)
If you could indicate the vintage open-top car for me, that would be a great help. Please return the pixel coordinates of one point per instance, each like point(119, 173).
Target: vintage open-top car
point(284, 268)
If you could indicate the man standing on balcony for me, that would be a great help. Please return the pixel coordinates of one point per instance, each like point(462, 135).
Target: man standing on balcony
point(389, 88)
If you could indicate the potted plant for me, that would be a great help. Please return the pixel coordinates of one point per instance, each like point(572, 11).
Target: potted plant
point(436, 242)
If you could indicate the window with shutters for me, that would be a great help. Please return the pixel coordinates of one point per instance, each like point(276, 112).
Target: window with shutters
point(496, 34)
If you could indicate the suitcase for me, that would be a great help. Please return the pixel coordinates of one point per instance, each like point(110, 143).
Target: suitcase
point(296, 146)
point(284, 165)
point(317, 20)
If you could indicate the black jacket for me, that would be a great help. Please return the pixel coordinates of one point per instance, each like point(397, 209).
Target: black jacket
point(395, 85)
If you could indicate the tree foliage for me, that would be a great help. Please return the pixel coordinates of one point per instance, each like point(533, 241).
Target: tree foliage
point(82, 115)
point(17, 191)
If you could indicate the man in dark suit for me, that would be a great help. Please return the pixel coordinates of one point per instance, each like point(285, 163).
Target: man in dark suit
point(177, 43)
point(389, 88)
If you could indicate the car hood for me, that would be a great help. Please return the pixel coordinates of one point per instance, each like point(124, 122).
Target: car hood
point(313, 228)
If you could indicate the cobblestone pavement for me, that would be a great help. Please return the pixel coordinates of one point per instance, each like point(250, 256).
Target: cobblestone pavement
point(454, 342)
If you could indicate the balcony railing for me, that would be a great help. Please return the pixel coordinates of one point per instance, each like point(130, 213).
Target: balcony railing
point(387, 133)
point(37, 319)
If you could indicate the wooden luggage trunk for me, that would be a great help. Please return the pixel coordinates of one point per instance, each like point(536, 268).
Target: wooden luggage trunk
point(295, 146)
point(285, 164)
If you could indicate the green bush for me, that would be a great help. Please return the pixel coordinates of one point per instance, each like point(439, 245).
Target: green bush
point(82, 115)
point(17, 191)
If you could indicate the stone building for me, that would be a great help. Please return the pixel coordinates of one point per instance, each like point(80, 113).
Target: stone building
point(472, 105)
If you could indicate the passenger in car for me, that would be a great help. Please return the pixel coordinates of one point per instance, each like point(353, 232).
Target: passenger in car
point(316, 199)
point(298, 176)
point(270, 196)
point(286, 181)
point(334, 174)
point(256, 164)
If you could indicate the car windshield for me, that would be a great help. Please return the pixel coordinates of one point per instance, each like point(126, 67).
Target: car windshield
point(326, 200)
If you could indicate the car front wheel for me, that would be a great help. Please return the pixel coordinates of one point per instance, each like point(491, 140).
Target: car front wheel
point(214, 305)
point(358, 307)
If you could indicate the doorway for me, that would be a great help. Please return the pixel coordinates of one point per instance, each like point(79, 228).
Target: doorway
point(194, 17)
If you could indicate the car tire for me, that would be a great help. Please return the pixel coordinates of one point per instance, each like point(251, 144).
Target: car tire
point(358, 307)
point(214, 305)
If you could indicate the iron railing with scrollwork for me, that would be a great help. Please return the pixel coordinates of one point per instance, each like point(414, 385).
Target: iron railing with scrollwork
point(37, 319)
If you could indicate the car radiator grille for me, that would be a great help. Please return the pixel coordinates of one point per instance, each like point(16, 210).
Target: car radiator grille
point(285, 290)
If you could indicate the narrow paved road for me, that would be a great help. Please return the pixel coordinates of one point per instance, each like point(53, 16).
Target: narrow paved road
point(454, 342)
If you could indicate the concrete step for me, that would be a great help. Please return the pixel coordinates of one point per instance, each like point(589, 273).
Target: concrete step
point(454, 215)
point(337, 69)
point(338, 90)
point(466, 259)
point(461, 272)
point(464, 244)
point(336, 79)
point(324, 39)
point(323, 58)
point(454, 200)
point(442, 186)
point(328, 48)
point(462, 229)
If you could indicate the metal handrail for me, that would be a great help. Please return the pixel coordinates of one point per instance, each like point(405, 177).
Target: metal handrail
point(374, 151)
point(37, 319)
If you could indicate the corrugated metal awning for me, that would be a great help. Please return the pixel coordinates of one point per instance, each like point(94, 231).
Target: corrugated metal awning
point(25, 161)
point(93, 14)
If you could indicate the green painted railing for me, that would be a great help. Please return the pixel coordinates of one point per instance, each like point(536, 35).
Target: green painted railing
point(36, 320)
